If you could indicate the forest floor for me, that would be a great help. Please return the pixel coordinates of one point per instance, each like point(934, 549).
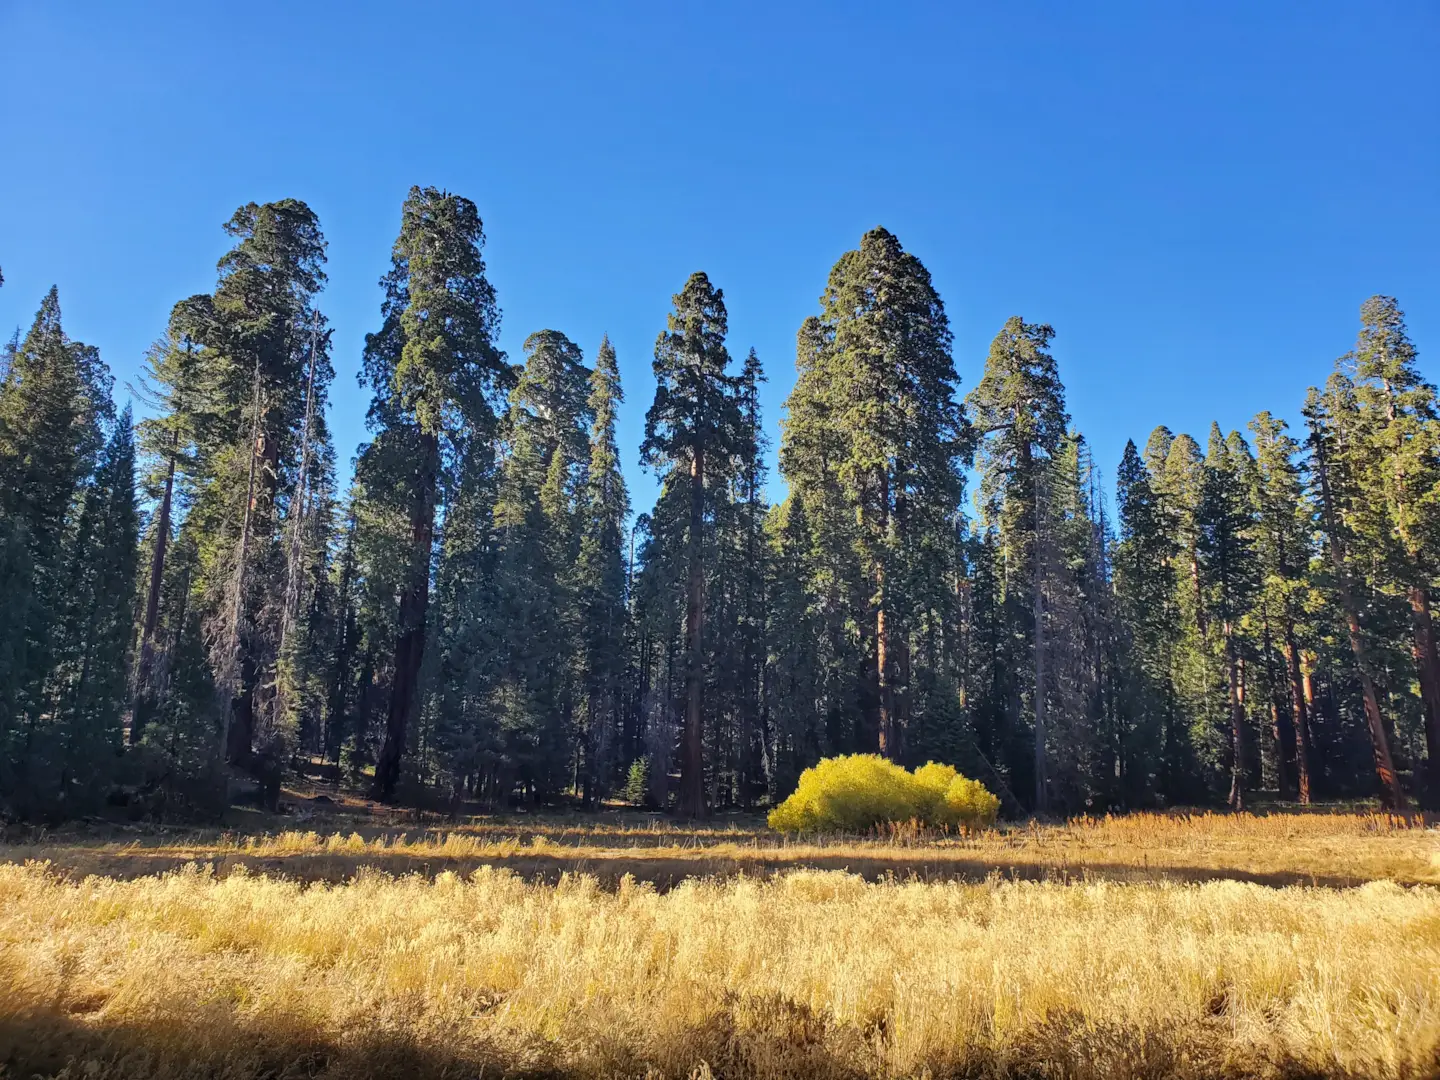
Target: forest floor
point(344, 940)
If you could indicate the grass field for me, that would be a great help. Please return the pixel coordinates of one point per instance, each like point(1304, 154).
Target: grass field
point(1283, 945)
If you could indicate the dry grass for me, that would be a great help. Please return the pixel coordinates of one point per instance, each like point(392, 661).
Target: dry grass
point(1337, 850)
point(804, 973)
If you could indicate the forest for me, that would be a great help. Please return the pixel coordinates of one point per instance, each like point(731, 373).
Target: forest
point(192, 603)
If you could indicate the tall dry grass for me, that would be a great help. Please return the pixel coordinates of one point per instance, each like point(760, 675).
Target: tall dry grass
point(1279, 849)
point(808, 974)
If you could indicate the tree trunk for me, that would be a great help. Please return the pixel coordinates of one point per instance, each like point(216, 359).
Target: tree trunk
point(1237, 722)
point(298, 501)
point(145, 664)
point(1299, 719)
point(241, 732)
point(884, 659)
point(239, 709)
point(410, 638)
point(1390, 793)
point(691, 801)
point(1427, 665)
point(1279, 736)
point(1281, 748)
point(590, 751)
point(1042, 801)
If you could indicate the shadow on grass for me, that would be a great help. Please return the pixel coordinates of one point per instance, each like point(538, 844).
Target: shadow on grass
point(662, 870)
point(752, 1038)
point(49, 1043)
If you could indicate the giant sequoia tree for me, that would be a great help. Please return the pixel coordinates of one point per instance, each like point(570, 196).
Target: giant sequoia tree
point(875, 437)
point(435, 371)
point(692, 431)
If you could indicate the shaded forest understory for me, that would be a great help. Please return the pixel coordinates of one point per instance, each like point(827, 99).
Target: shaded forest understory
point(191, 606)
point(626, 945)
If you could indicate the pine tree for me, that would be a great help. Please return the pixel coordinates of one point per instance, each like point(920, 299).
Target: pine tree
point(1228, 579)
point(1081, 729)
point(435, 372)
point(605, 507)
point(1178, 480)
point(538, 525)
point(750, 545)
point(1018, 409)
point(1155, 748)
point(254, 338)
point(54, 399)
point(1344, 513)
point(88, 688)
point(794, 688)
point(171, 386)
point(1284, 526)
point(1400, 421)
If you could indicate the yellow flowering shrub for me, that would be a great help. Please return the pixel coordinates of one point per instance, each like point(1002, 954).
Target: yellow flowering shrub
point(849, 794)
point(857, 792)
point(967, 803)
point(932, 782)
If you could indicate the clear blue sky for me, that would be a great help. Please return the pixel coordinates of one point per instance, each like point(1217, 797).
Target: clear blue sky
point(1197, 197)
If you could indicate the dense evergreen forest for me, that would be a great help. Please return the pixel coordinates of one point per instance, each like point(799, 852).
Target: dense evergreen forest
point(191, 599)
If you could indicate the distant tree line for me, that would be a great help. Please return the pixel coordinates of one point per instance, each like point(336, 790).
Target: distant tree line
point(190, 598)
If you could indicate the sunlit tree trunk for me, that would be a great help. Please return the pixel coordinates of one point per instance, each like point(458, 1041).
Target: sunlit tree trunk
point(1299, 718)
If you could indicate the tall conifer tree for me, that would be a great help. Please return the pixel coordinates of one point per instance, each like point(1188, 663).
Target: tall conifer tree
point(435, 372)
point(604, 510)
point(1345, 513)
point(1400, 418)
point(1284, 527)
point(1229, 579)
point(874, 432)
point(54, 398)
point(1018, 409)
point(691, 433)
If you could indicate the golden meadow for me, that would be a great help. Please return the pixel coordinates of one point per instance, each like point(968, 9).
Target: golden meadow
point(1211, 945)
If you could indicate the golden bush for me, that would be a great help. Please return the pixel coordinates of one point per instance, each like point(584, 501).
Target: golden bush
point(858, 792)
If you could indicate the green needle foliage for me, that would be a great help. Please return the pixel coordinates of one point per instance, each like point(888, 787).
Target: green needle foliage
point(192, 610)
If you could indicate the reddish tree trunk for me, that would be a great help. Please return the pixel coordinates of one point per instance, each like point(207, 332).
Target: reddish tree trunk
point(1299, 698)
point(1427, 665)
point(1234, 681)
point(882, 669)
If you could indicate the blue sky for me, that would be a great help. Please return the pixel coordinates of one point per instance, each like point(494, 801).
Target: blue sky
point(1196, 196)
